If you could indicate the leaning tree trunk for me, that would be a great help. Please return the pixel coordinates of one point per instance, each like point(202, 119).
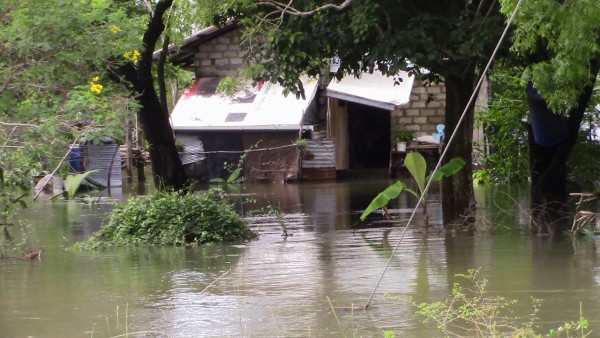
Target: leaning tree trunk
point(166, 165)
point(457, 190)
point(548, 161)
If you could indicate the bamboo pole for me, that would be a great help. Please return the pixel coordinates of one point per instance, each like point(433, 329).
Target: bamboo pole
point(56, 169)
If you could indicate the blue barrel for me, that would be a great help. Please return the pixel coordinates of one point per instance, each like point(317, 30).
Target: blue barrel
point(76, 159)
point(549, 129)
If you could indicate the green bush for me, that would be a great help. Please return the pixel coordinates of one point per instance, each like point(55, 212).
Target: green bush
point(504, 127)
point(172, 218)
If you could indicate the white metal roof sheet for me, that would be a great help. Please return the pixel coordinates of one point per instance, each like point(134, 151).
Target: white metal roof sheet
point(262, 107)
point(373, 89)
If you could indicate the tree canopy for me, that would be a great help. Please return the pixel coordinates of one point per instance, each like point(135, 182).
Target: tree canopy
point(53, 83)
point(558, 41)
point(61, 71)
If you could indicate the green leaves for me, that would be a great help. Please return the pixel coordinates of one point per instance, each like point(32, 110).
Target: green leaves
point(448, 169)
point(172, 218)
point(504, 128)
point(73, 183)
point(384, 197)
point(416, 165)
point(561, 40)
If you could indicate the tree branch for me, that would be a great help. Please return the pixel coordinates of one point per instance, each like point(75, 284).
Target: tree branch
point(288, 9)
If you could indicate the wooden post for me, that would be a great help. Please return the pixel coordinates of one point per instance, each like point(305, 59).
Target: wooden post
point(128, 153)
point(140, 162)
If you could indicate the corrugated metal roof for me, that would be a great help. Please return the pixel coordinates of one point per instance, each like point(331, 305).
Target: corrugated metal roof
point(373, 90)
point(262, 107)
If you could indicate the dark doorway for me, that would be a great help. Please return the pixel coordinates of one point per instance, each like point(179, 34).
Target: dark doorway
point(368, 136)
point(223, 158)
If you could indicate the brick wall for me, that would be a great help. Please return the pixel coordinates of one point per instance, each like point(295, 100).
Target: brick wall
point(419, 114)
point(221, 57)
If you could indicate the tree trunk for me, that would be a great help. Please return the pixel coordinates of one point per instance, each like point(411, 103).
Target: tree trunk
point(166, 165)
point(548, 164)
point(160, 75)
point(167, 168)
point(457, 191)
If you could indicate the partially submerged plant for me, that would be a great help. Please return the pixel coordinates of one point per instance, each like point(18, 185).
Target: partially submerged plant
point(417, 166)
point(470, 311)
point(167, 218)
point(73, 183)
point(8, 204)
point(235, 177)
point(274, 212)
point(582, 218)
point(235, 171)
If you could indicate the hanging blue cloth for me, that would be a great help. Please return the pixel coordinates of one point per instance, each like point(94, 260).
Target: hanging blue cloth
point(548, 128)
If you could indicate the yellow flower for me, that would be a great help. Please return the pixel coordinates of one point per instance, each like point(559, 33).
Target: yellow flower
point(115, 29)
point(95, 87)
point(133, 56)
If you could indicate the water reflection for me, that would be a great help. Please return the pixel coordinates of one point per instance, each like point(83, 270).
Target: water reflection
point(301, 285)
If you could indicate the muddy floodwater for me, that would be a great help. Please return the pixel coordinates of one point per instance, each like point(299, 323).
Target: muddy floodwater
point(313, 283)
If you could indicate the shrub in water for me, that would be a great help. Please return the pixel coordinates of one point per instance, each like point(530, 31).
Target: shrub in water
point(172, 218)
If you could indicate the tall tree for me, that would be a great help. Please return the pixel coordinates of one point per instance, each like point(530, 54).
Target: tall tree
point(451, 39)
point(560, 42)
point(166, 165)
point(56, 67)
point(170, 22)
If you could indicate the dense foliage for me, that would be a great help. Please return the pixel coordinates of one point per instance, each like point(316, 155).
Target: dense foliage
point(60, 78)
point(505, 127)
point(53, 84)
point(559, 40)
point(172, 218)
point(506, 123)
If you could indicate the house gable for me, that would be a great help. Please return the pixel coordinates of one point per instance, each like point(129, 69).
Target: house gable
point(219, 57)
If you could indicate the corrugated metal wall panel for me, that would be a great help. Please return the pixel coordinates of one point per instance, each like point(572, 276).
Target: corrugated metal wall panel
point(319, 154)
point(106, 159)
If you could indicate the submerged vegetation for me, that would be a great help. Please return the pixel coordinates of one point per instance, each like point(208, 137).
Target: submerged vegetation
point(471, 311)
point(168, 218)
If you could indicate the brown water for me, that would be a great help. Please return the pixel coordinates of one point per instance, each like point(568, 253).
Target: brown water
point(303, 285)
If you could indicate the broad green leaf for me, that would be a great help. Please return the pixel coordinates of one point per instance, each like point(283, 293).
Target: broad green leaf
point(448, 169)
point(383, 198)
point(73, 182)
point(235, 176)
point(417, 166)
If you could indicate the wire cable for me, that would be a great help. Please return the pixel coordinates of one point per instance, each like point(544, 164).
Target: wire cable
point(460, 121)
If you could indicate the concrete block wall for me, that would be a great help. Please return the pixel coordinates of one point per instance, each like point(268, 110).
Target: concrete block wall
point(420, 115)
point(220, 57)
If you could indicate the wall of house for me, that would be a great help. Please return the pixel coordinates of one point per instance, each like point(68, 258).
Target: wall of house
point(422, 116)
point(424, 111)
point(274, 157)
point(222, 56)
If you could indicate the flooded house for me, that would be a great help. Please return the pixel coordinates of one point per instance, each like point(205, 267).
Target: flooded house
point(337, 127)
